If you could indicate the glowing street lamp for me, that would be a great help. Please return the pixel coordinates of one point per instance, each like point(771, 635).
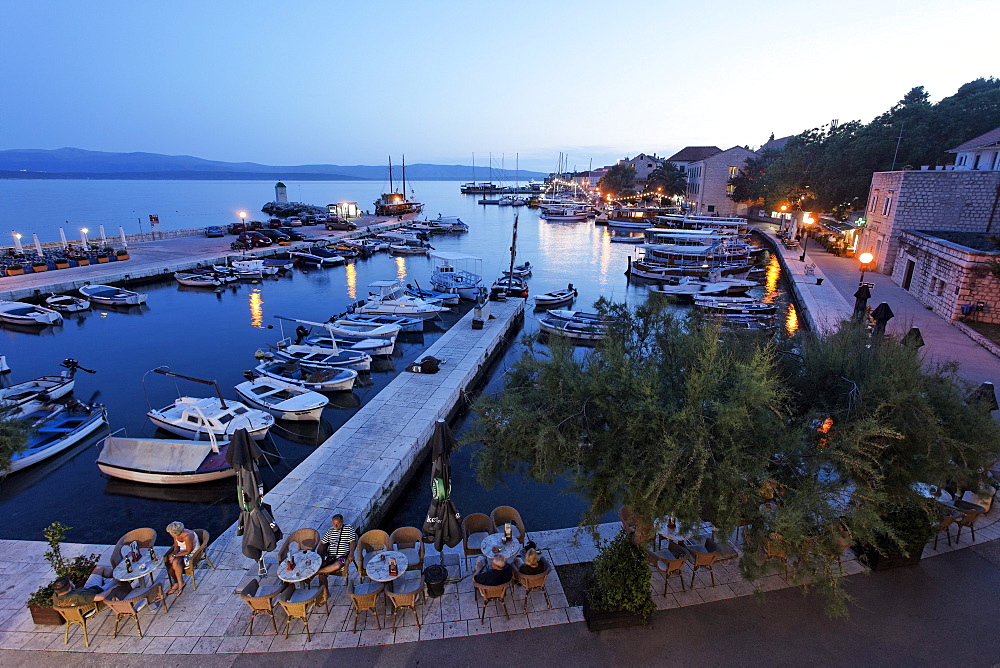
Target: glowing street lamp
point(806, 221)
point(866, 260)
point(243, 216)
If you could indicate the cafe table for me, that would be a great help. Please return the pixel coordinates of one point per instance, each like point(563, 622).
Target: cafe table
point(140, 568)
point(494, 544)
point(681, 532)
point(377, 567)
point(305, 565)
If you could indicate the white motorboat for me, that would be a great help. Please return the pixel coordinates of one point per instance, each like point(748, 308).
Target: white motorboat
point(282, 399)
point(409, 249)
point(390, 301)
point(574, 329)
point(374, 321)
point(336, 337)
point(197, 280)
point(688, 288)
point(365, 329)
point(580, 316)
point(21, 313)
point(447, 224)
point(445, 298)
point(568, 214)
point(55, 428)
point(163, 461)
point(457, 273)
point(321, 380)
point(657, 271)
point(719, 306)
point(44, 389)
point(556, 297)
point(67, 303)
point(112, 296)
point(314, 258)
point(520, 271)
point(197, 417)
point(312, 356)
point(260, 266)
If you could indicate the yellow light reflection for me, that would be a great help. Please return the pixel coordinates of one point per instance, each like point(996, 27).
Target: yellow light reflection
point(352, 280)
point(256, 309)
point(771, 277)
point(791, 320)
point(400, 268)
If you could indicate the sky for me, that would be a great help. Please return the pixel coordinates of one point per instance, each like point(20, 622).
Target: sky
point(351, 83)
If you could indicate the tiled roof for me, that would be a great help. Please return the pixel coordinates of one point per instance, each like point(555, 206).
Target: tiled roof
point(694, 153)
point(775, 144)
point(991, 138)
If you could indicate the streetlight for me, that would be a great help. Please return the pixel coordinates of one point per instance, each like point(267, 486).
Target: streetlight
point(243, 217)
point(865, 259)
point(805, 242)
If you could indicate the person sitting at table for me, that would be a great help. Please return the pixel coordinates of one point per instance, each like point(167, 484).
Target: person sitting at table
point(533, 563)
point(101, 578)
point(500, 573)
point(185, 542)
point(336, 548)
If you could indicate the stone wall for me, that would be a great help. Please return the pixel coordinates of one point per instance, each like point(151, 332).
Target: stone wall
point(715, 178)
point(947, 276)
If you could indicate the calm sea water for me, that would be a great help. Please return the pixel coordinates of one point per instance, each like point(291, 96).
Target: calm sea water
point(214, 336)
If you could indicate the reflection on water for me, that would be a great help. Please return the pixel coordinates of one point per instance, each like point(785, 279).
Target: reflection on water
point(352, 281)
point(400, 268)
point(771, 276)
point(792, 320)
point(256, 309)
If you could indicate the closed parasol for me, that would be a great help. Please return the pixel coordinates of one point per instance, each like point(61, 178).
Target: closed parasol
point(443, 524)
point(861, 297)
point(257, 526)
point(882, 314)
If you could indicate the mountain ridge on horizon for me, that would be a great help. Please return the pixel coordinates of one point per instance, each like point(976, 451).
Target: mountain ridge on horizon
point(82, 163)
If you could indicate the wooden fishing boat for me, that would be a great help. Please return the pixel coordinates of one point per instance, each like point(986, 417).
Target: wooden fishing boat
point(67, 303)
point(112, 296)
point(56, 428)
point(281, 399)
point(21, 313)
point(556, 297)
point(162, 461)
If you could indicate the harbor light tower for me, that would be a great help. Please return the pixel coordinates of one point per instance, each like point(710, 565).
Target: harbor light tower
point(280, 193)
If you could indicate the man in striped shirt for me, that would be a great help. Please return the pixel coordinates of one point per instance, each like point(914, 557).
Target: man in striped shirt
point(337, 548)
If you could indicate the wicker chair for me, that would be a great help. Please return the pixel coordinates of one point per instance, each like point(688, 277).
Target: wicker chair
point(534, 583)
point(703, 556)
point(144, 537)
point(298, 603)
point(370, 541)
point(475, 527)
point(261, 600)
point(364, 597)
point(134, 602)
point(968, 519)
point(503, 514)
point(409, 541)
point(945, 525)
point(496, 594)
point(196, 557)
point(403, 594)
point(669, 562)
point(79, 614)
point(304, 539)
point(774, 548)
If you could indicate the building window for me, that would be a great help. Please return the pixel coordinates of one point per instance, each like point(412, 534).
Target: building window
point(940, 288)
point(730, 189)
point(933, 284)
point(711, 208)
point(874, 201)
point(887, 204)
point(733, 171)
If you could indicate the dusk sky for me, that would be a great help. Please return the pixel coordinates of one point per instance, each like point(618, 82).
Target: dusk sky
point(333, 82)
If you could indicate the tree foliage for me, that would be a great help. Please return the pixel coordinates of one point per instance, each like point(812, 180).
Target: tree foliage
point(829, 168)
point(679, 418)
point(14, 434)
point(668, 179)
point(750, 184)
point(619, 181)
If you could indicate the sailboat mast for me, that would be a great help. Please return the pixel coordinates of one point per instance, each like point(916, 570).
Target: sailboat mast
point(513, 253)
point(390, 173)
point(473, 168)
point(404, 177)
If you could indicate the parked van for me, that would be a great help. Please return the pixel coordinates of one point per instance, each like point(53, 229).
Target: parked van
point(340, 224)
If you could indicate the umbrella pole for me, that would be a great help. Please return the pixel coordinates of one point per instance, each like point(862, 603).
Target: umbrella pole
point(261, 568)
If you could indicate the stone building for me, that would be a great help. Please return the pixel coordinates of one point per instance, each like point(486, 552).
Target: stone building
point(708, 186)
point(644, 166)
point(690, 155)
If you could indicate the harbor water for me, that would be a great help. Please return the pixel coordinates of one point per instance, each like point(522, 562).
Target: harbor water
point(215, 335)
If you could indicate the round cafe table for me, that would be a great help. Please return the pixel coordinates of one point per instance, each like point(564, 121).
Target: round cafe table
point(377, 567)
point(307, 564)
point(493, 544)
point(142, 567)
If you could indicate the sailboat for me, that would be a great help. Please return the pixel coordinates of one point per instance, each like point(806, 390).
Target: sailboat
point(394, 203)
point(509, 284)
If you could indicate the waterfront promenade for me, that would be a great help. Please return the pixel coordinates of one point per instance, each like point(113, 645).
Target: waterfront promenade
point(351, 474)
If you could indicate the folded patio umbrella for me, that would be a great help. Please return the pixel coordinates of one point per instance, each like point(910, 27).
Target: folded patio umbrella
point(443, 524)
point(257, 526)
point(882, 314)
point(861, 297)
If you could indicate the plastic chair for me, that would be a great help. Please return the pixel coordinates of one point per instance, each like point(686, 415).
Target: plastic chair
point(79, 614)
point(299, 603)
point(364, 598)
point(261, 600)
point(134, 602)
point(403, 594)
point(534, 583)
point(669, 562)
point(503, 514)
point(703, 557)
point(304, 539)
point(475, 527)
point(497, 594)
point(145, 537)
point(409, 541)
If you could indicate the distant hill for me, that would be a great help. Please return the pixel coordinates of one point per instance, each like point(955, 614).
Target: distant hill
point(75, 163)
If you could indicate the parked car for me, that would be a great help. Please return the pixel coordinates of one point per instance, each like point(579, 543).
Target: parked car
point(237, 228)
point(340, 224)
point(293, 235)
point(254, 239)
point(255, 225)
point(309, 219)
point(275, 236)
point(215, 231)
point(294, 221)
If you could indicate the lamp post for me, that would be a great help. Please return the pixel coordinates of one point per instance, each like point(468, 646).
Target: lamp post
point(865, 259)
point(243, 218)
point(805, 241)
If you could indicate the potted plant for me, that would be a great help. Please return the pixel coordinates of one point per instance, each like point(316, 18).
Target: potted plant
point(122, 254)
point(62, 263)
point(83, 261)
point(78, 569)
point(912, 527)
point(620, 594)
point(15, 270)
point(38, 266)
point(102, 258)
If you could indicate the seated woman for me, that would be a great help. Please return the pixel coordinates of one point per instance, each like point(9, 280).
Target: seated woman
point(185, 542)
point(533, 564)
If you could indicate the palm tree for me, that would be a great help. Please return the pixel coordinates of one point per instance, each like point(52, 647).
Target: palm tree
point(668, 177)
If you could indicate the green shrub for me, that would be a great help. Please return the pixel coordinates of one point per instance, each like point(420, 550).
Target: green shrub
point(622, 579)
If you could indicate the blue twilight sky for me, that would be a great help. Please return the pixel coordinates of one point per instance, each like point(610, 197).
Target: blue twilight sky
point(349, 83)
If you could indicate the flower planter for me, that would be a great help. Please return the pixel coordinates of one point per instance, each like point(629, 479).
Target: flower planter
point(39, 268)
point(62, 265)
point(15, 270)
point(101, 259)
point(598, 620)
point(121, 257)
point(893, 559)
point(83, 262)
point(46, 616)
